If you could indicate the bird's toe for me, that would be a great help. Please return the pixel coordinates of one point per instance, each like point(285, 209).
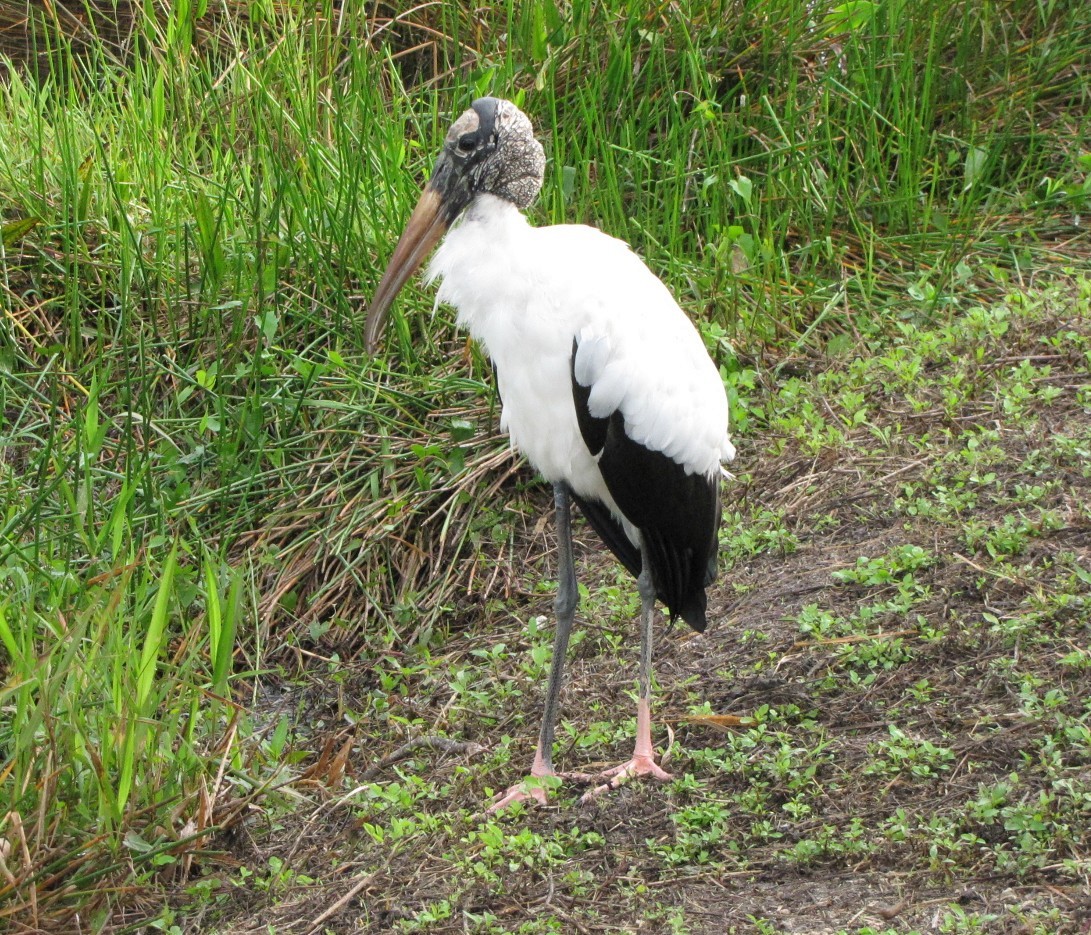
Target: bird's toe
point(617, 775)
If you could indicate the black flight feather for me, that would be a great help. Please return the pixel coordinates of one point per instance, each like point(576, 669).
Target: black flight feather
point(611, 533)
point(677, 513)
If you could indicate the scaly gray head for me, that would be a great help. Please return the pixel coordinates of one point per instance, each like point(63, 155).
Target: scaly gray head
point(490, 150)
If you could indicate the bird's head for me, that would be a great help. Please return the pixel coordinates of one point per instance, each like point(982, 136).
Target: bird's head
point(491, 150)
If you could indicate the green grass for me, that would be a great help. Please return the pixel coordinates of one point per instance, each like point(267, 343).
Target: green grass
point(206, 485)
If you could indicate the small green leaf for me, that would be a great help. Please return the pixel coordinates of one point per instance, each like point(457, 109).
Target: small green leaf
point(461, 430)
point(14, 231)
point(742, 186)
point(568, 182)
point(268, 322)
point(972, 168)
point(850, 16)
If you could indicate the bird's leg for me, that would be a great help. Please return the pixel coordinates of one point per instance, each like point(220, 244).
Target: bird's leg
point(564, 606)
point(643, 759)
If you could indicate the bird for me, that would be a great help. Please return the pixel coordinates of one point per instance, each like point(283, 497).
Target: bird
point(605, 386)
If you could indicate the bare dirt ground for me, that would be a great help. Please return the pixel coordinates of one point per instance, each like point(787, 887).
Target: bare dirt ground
point(887, 728)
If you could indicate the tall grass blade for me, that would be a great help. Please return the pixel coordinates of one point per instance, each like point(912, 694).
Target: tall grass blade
point(157, 626)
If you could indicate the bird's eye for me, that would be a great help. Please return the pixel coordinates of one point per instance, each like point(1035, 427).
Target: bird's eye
point(466, 143)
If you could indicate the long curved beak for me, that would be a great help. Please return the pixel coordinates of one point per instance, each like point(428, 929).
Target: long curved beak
point(427, 224)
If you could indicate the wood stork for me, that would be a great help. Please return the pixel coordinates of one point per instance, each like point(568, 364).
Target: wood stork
point(606, 386)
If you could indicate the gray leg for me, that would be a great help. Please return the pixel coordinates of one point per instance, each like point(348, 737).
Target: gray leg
point(646, 587)
point(564, 606)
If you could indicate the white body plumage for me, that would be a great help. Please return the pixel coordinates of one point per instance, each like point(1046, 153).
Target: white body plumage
point(525, 293)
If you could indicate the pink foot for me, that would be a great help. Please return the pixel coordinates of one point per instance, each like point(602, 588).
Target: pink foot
point(642, 764)
point(532, 788)
point(639, 765)
point(643, 761)
point(520, 792)
point(536, 786)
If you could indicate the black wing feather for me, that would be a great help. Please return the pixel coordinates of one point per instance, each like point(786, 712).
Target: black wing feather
point(592, 428)
point(678, 514)
point(611, 533)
